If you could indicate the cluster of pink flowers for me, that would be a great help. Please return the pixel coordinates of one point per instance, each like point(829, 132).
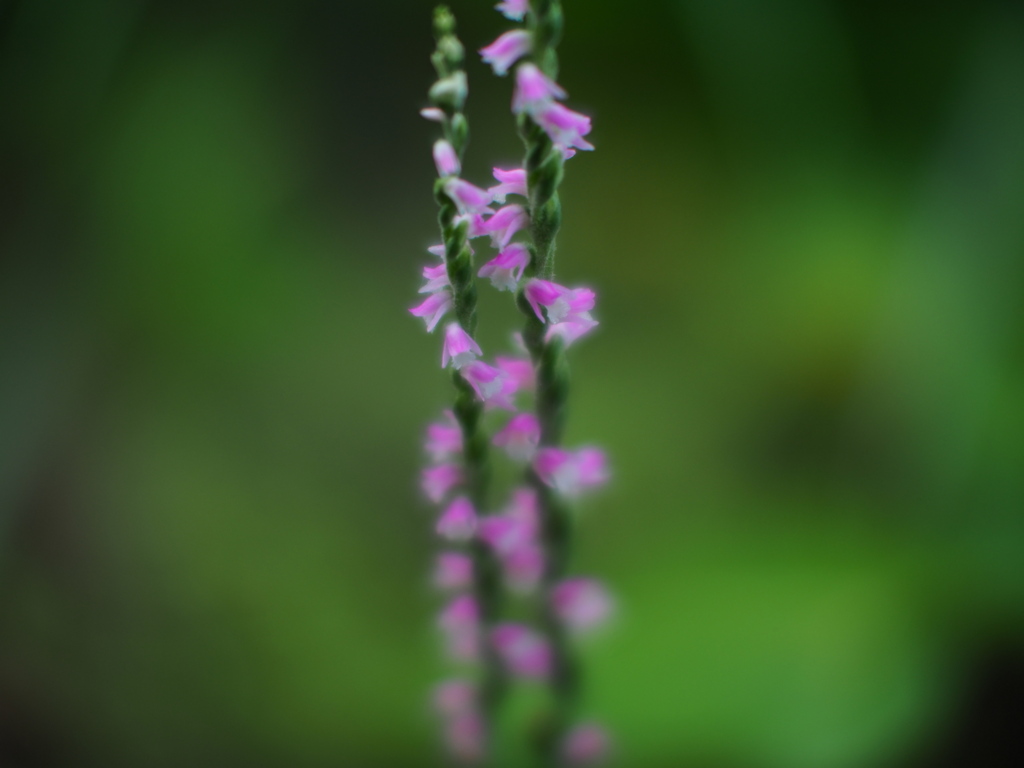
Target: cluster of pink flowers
point(513, 535)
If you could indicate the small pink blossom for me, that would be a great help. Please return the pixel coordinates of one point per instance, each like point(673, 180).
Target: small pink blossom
point(460, 622)
point(580, 603)
point(534, 90)
point(520, 437)
point(523, 568)
point(571, 472)
point(524, 652)
point(444, 438)
point(505, 223)
point(446, 159)
point(511, 183)
point(505, 397)
point(485, 380)
point(518, 369)
point(504, 534)
point(513, 9)
point(433, 309)
point(571, 330)
point(586, 744)
point(561, 304)
point(436, 277)
point(507, 50)
point(467, 197)
point(523, 507)
point(458, 522)
point(453, 697)
point(459, 347)
point(506, 269)
point(564, 127)
point(464, 737)
point(433, 114)
point(437, 481)
point(454, 570)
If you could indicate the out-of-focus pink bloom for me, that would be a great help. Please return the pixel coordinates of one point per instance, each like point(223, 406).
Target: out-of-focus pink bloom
point(523, 567)
point(560, 304)
point(433, 114)
point(524, 652)
point(504, 224)
point(520, 437)
point(433, 309)
point(534, 90)
point(564, 127)
point(444, 438)
point(507, 50)
point(436, 277)
point(571, 472)
point(468, 198)
point(445, 159)
point(581, 603)
point(464, 737)
point(571, 330)
point(511, 183)
point(458, 523)
point(485, 380)
point(453, 697)
point(521, 371)
point(506, 269)
point(505, 397)
point(437, 250)
point(586, 744)
point(523, 507)
point(437, 481)
point(504, 534)
point(459, 347)
point(454, 570)
point(460, 621)
point(513, 9)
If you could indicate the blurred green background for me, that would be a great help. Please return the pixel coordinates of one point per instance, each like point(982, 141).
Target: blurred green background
point(805, 221)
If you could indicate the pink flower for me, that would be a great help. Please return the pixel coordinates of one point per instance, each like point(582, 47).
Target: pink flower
point(444, 439)
point(464, 737)
point(513, 9)
point(467, 198)
point(571, 330)
point(523, 567)
point(581, 603)
point(460, 622)
point(520, 437)
point(524, 652)
point(521, 371)
point(560, 303)
point(445, 158)
point(511, 183)
point(569, 472)
point(504, 224)
point(459, 347)
point(433, 309)
point(439, 249)
point(454, 570)
point(458, 523)
point(523, 507)
point(437, 279)
point(586, 744)
point(534, 89)
point(507, 50)
point(433, 114)
point(506, 269)
point(437, 481)
point(485, 380)
point(564, 127)
point(454, 697)
point(504, 534)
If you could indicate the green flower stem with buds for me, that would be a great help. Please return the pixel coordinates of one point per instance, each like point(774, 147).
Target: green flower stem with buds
point(544, 172)
point(449, 95)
